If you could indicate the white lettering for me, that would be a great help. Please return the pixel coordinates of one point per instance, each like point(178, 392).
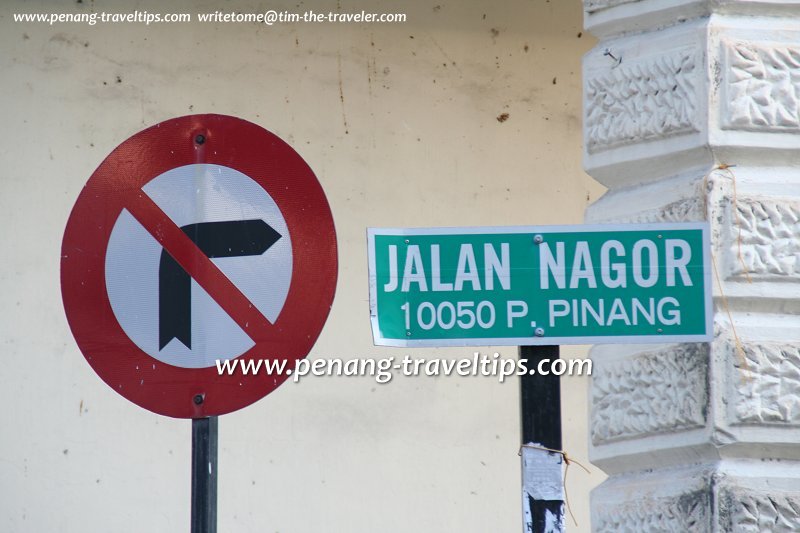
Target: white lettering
point(582, 267)
point(554, 313)
point(673, 316)
point(598, 314)
point(556, 265)
point(413, 271)
point(495, 265)
point(516, 309)
point(648, 314)
point(467, 270)
point(584, 313)
point(391, 285)
point(618, 313)
point(606, 266)
point(679, 263)
point(436, 273)
point(638, 270)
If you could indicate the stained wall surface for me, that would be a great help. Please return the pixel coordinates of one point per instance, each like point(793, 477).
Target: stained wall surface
point(466, 114)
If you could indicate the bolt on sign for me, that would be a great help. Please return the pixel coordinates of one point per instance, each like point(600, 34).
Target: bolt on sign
point(540, 285)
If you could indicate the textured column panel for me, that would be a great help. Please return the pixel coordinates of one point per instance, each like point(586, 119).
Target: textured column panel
point(644, 100)
point(746, 511)
point(768, 235)
point(652, 392)
point(766, 386)
point(689, 512)
point(722, 504)
point(762, 86)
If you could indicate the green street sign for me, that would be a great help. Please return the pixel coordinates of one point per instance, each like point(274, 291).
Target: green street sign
point(529, 285)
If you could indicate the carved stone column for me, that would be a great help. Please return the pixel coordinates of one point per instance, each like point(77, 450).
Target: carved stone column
point(692, 112)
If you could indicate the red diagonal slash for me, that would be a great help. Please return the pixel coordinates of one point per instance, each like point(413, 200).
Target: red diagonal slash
point(198, 266)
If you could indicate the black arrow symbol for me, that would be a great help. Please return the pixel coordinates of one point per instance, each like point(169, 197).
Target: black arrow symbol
point(234, 238)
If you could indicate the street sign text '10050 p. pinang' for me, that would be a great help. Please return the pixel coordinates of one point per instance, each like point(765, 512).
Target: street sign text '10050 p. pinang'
point(540, 285)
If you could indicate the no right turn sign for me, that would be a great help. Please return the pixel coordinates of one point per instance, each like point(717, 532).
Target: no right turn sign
point(202, 238)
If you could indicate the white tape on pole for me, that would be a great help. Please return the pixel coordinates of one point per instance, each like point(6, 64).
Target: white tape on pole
point(542, 490)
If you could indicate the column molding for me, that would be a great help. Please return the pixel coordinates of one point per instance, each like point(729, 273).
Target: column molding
point(692, 113)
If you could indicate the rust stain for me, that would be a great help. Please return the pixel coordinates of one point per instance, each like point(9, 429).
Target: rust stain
point(341, 92)
point(369, 78)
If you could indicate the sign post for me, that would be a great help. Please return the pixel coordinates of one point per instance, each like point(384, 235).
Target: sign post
point(538, 287)
point(540, 431)
point(204, 475)
point(201, 239)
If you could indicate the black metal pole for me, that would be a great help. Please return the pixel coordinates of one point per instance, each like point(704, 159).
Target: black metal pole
point(540, 413)
point(204, 475)
point(540, 397)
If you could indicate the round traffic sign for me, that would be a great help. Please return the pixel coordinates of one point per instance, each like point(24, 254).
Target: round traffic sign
point(199, 240)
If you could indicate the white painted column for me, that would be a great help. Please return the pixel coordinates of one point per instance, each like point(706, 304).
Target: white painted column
point(701, 437)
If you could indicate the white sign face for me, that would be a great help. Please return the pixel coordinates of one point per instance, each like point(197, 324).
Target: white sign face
point(135, 262)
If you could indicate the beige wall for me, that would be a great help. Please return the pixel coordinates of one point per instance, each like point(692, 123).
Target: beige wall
point(399, 124)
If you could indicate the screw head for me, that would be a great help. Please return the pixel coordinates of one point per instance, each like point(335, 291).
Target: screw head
point(539, 332)
point(198, 399)
point(538, 239)
point(200, 139)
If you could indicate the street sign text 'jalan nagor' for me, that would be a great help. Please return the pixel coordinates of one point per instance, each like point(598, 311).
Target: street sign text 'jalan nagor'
point(540, 285)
